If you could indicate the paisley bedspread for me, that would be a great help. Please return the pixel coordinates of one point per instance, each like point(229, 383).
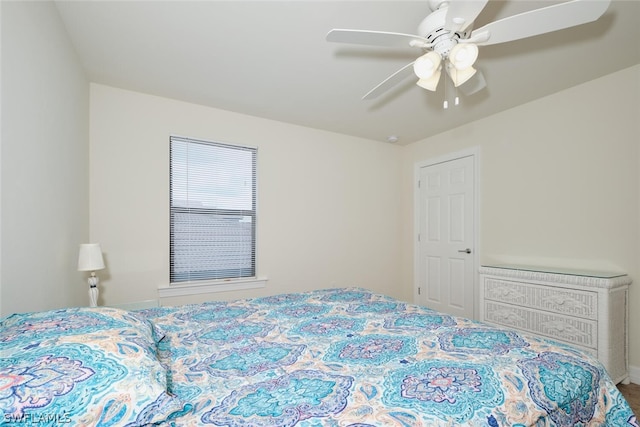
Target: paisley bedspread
point(350, 357)
point(335, 357)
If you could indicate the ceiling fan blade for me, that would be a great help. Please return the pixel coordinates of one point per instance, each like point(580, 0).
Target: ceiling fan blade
point(462, 13)
point(539, 21)
point(376, 38)
point(390, 81)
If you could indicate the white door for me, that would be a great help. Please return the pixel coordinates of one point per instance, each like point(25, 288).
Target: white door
point(446, 241)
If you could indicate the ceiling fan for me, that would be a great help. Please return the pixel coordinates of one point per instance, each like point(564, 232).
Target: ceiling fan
point(449, 42)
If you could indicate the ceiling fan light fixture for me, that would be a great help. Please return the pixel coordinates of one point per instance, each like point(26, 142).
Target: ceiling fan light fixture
point(427, 65)
point(474, 84)
point(430, 83)
point(463, 55)
point(459, 77)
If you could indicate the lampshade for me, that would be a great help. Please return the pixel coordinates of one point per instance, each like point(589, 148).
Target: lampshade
point(474, 84)
point(463, 55)
point(90, 257)
point(458, 77)
point(427, 65)
point(431, 83)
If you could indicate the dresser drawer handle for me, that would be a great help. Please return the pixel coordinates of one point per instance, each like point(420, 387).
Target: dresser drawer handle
point(562, 327)
point(561, 300)
point(568, 302)
point(505, 315)
point(507, 292)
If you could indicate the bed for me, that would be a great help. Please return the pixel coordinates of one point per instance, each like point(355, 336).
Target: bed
point(334, 357)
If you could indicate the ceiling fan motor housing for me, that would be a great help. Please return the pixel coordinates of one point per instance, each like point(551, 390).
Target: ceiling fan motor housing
point(442, 40)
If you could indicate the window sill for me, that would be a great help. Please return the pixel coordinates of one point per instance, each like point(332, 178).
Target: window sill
point(206, 287)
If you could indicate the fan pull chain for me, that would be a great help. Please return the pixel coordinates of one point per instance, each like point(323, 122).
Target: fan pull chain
point(456, 98)
point(445, 104)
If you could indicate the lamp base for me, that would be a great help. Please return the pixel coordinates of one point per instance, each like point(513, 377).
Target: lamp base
point(93, 297)
point(93, 290)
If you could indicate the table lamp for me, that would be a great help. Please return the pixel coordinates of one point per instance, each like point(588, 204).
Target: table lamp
point(90, 259)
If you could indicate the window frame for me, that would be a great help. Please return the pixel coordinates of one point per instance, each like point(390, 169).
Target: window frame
point(244, 280)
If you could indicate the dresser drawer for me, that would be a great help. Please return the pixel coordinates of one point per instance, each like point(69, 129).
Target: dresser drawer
point(570, 302)
point(572, 330)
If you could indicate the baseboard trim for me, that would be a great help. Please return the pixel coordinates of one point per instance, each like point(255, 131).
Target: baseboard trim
point(634, 374)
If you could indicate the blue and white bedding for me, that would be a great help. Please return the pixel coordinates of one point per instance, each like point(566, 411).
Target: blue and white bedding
point(337, 357)
point(82, 367)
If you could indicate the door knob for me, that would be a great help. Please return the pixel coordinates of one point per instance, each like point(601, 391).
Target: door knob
point(466, 251)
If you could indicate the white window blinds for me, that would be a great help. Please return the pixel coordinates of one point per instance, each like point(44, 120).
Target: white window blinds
point(213, 210)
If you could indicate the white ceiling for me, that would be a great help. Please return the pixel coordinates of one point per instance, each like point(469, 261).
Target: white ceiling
point(270, 59)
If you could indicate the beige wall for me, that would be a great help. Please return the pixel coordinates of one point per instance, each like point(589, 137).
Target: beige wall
point(44, 137)
point(559, 182)
point(328, 204)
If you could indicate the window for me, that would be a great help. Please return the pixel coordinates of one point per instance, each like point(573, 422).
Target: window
point(212, 210)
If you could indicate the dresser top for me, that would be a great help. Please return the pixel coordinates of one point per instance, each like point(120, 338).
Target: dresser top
point(559, 270)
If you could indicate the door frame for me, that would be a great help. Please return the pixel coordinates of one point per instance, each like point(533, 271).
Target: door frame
point(473, 152)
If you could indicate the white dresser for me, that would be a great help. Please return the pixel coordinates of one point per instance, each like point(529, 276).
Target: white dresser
point(587, 309)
